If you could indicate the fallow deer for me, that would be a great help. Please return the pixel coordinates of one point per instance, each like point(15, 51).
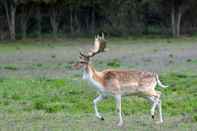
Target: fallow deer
point(118, 82)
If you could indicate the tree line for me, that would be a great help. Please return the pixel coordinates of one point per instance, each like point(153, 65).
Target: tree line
point(26, 18)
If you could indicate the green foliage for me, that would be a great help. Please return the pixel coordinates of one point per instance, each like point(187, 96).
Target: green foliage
point(12, 67)
point(114, 63)
point(195, 117)
point(117, 18)
point(193, 61)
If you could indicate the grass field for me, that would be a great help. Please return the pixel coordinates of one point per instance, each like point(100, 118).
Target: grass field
point(39, 90)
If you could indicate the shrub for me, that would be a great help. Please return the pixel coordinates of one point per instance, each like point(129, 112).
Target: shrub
point(114, 63)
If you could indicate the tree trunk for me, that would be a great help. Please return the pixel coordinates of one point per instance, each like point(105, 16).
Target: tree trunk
point(12, 30)
point(173, 21)
point(54, 23)
point(93, 19)
point(10, 14)
point(178, 26)
point(87, 23)
point(26, 12)
point(71, 20)
point(77, 22)
point(24, 28)
point(39, 20)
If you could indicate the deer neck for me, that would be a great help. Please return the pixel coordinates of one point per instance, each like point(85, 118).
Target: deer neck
point(93, 76)
point(89, 72)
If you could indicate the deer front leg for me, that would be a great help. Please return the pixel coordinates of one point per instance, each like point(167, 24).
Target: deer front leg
point(97, 99)
point(118, 107)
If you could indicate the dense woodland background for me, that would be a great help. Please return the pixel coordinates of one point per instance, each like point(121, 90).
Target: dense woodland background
point(36, 18)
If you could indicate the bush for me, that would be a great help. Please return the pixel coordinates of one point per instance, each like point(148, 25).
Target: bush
point(114, 63)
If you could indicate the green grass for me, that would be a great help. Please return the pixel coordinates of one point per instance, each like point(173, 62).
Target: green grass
point(39, 89)
point(9, 67)
point(73, 96)
point(114, 63)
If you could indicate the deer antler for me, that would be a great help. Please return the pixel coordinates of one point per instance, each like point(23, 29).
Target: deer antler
point(99, 45)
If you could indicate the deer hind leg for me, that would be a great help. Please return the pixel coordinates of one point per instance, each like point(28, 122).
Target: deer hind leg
point(156, 103)
point(97, 99)
point(118, 107)
point(159, 106)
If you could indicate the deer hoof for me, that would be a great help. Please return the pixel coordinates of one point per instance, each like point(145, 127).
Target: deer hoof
point(153, 117)
point(102, 118)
